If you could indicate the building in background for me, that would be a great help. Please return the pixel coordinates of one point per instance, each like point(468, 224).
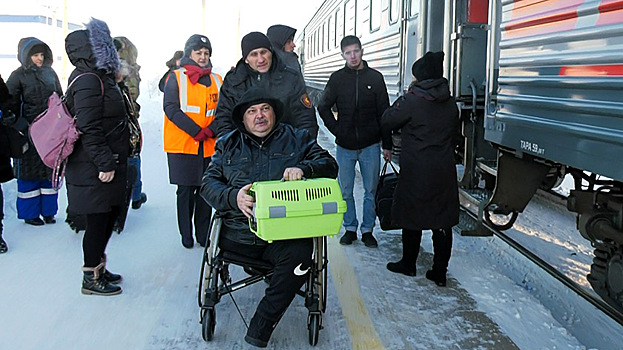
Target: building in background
point(43, 21)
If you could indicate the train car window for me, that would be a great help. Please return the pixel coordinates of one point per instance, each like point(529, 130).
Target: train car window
point(362, 21)
point(322, 38)
point(394, 11)
point(330, 33)
point(339, 26)
point(375, 15)
point(349, 18)
point(414, 8)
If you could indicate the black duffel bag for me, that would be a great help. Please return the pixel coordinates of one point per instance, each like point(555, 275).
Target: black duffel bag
point(385, 196)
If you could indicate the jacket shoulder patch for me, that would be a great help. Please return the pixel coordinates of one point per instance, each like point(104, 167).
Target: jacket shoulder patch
point(306, 101)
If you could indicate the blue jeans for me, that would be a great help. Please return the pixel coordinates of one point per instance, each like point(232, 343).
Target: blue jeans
point(369, 159)
point(137, 188)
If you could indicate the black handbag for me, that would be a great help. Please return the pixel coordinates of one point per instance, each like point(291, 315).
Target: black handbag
point(385, 196)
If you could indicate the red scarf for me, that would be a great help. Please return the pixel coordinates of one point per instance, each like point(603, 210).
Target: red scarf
point(195, 72)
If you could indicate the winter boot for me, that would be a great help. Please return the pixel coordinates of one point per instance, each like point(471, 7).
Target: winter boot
point(139, 202)
point(94, 283)
point(259, 332)
point(348, 238)
point(368, 240)
point(442, 249)
point(410, 251)
point(110, 277)
point(3, 247)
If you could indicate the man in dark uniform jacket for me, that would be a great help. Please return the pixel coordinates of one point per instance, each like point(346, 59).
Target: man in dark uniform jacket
point(260, 67)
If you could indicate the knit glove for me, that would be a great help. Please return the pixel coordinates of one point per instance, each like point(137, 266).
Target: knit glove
point(203, 134)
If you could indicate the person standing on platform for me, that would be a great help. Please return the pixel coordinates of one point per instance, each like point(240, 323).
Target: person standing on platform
point(282, 39)
point(191, 95)
point(261, 67)
point(360, 95)
point(96, 175)
point(30, 86)
point(429, 120)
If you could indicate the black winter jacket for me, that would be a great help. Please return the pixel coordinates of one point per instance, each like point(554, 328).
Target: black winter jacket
point(104, 143)
point(6, 172)
point(427, 195)
point(282, 81)
point(240, 159)
point(361, 98)
point(30, 87)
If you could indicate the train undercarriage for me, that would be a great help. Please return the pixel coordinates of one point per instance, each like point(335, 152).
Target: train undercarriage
point(500, 182)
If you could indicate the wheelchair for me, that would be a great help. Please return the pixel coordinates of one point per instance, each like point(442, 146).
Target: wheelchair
point(215, 281)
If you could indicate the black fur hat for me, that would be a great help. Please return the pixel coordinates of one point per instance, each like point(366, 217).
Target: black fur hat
point(429, 66)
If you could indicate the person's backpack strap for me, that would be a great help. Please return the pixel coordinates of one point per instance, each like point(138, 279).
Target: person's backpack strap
point(76, 78)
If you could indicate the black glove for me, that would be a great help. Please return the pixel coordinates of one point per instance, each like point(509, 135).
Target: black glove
point(8, 117)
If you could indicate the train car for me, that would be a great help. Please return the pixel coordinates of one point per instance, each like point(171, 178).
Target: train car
point(539, 85)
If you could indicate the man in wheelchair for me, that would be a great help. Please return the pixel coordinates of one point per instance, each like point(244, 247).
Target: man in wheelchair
point(261, 148)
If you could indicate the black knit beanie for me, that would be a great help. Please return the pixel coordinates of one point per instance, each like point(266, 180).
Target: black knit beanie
point(252, 41)
point(429, 66)
point(196, 42)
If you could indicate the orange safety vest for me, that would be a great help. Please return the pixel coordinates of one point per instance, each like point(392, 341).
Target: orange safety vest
point(198, 102)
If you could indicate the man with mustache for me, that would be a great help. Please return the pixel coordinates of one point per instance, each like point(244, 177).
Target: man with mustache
point(263, 148)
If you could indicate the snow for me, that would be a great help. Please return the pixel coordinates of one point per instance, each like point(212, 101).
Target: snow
point(485, 305)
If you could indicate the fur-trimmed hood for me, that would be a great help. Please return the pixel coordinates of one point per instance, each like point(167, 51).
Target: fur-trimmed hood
point(28, 47)
point(93, 48)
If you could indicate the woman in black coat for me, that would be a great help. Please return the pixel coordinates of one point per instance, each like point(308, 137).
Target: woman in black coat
point(6, 173)
point(30, 86)
point(426, 196)
point(96, 170)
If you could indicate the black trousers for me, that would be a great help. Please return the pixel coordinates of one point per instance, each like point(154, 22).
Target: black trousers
point(190, 204)
point(97, 235)
point(291, 258)
point(442, 247)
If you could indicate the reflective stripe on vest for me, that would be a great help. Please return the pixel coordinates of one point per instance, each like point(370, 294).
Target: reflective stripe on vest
point(193, 99)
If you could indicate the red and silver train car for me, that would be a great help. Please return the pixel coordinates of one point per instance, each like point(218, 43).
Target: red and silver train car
point(539, 84)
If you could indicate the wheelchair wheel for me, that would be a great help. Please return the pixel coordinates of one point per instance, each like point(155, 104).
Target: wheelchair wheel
point(208, 323)
point(313, 325)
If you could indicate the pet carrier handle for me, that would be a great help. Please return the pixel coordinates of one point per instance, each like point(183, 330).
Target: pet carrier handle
point(303, 178)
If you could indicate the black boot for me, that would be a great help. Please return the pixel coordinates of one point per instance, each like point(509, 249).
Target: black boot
point(93, 282)
point(442, 249)
point(3, 247)
point(410, 250)
point(259, 332)
point(109, 276)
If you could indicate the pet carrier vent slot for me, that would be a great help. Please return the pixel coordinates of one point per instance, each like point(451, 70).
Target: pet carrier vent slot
point(318, 192)
point(286, 195)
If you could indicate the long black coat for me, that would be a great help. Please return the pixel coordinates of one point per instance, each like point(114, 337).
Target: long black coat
point(30, 87)
point(427, 193)
point(6, 172)
point(104, 143)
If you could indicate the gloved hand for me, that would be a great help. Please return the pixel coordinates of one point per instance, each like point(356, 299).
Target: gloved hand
point(203, 134)
point(8, 117)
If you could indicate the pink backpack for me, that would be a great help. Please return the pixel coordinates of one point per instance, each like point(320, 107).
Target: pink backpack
point(54, 133)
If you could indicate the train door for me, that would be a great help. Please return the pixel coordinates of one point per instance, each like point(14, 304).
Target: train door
point(412, 39)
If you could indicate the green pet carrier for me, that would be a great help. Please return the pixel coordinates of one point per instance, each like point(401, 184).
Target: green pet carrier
point(296, 209)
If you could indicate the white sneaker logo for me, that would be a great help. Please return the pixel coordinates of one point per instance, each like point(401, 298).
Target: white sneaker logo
point(298, 271)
